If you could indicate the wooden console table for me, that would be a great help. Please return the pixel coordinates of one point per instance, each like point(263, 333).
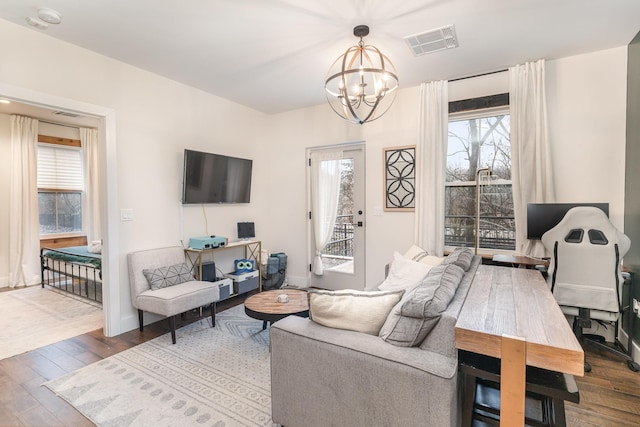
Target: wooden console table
point(510, 313)
point(252, 250)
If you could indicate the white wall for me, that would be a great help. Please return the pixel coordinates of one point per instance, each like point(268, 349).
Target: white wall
point(586, 106)
point(586, 97)
point(157, 118)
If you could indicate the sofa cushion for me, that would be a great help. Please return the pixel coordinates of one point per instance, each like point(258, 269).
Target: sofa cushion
point(417, 254)
point(461, 257)
point(360, 311)
point(404, 274)
point(411, 320)
point(162, 277)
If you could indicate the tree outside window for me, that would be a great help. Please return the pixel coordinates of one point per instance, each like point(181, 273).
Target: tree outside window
point(477, 142)
point(60, 212)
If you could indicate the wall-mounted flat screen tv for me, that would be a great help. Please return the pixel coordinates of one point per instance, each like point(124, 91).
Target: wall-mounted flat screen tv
point(542, 217)
point(214, 178)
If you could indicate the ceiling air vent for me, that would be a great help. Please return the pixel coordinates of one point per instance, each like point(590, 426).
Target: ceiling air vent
point(65, 113)
point(433, 40)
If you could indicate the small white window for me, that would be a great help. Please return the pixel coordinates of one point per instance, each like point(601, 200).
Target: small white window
point(60, 187)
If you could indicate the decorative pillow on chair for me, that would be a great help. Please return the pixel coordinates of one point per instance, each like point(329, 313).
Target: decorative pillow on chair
point(404, 274)
point(461, 257)
point(411, 320)
point(417, 254)
point(163, 277)
point(360, 311)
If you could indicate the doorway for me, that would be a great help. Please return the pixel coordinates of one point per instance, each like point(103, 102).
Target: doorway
point(109, 213)
point(336, 217)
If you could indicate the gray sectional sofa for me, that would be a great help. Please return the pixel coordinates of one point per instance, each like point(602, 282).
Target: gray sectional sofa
point(322, 376)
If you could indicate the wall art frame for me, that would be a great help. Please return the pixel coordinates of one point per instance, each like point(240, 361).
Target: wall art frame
point(399, 178)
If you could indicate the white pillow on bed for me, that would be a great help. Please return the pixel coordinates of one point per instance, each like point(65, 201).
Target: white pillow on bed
point(95, 247)
point(404, 274)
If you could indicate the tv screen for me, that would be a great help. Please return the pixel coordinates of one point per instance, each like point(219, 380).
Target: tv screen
point(214, 178)
point(246, 230)
point(542, 217)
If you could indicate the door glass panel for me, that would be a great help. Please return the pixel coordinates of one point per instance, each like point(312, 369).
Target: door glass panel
point(338, 254)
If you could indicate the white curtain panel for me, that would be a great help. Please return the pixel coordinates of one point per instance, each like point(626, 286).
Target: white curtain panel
point(531, 160)
point(24, 225)
point(91, 211)
point(325, 190)
point(431, 160)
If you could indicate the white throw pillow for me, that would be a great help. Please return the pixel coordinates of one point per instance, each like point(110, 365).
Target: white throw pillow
point(360, 311)
point(416, 253)
point(404, 274)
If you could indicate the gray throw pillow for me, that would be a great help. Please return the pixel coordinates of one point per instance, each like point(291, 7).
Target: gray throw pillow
point(163, 277)
point(461, 257)
point(411, 320)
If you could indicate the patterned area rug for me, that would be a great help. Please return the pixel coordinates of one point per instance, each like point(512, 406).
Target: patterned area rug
point(34, 317)
point(215, 377)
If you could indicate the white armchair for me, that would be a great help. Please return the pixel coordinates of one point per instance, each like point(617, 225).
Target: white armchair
point(584, 272)
point(168, 300)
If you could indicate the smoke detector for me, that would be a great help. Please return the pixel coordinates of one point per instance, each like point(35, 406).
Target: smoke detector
point(49, 16)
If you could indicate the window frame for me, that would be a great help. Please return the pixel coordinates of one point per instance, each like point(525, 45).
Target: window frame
point(465, 110)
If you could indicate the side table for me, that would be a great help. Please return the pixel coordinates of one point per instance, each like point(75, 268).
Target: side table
point(265, 306)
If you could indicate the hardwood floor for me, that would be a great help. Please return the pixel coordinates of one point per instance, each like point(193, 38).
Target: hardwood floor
point(609, 395)
point(24, 402)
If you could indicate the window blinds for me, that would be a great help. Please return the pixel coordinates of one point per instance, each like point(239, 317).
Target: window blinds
point(59, 168)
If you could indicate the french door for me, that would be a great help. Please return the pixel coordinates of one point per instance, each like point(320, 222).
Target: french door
point(336, 217)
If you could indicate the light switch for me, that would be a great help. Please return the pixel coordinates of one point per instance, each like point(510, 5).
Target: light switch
point(377, 210)
point(126, 214)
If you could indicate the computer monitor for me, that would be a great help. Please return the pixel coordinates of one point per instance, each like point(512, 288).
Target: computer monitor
point(246, 230)
point(542, 217)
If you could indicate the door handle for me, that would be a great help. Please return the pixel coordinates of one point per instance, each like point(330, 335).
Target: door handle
point(359, 224)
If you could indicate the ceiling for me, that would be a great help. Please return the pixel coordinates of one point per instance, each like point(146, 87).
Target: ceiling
point(273, 55)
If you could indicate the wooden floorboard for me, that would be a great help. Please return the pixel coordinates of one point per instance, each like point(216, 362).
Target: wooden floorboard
point(609, 395)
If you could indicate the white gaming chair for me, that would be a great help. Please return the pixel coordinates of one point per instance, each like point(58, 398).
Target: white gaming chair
point(584, 272)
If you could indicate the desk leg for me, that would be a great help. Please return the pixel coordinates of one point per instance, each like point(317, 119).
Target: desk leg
point(512, 381)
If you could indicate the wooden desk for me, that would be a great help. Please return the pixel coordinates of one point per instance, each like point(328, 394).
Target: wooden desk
point(510, 313)
point(519, 261)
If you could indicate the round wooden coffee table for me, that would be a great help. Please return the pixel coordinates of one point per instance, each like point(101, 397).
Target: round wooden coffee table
point(265, 306)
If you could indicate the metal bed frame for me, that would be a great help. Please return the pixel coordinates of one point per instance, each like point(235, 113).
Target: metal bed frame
point(80, 279)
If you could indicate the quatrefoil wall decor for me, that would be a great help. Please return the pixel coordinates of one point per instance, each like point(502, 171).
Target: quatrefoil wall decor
point(400, 178)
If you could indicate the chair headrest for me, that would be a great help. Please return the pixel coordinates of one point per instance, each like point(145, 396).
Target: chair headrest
point(588, 223)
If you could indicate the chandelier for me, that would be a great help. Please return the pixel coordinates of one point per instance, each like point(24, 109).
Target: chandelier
point(361, 84)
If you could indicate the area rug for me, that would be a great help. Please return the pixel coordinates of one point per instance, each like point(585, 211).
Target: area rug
point(215, 377)
point(34, 317)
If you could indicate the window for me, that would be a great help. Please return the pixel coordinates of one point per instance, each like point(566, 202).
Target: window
point(60, 187)
point(479, 139)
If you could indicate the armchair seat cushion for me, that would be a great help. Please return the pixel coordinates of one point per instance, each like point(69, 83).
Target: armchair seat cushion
point(177, 299)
